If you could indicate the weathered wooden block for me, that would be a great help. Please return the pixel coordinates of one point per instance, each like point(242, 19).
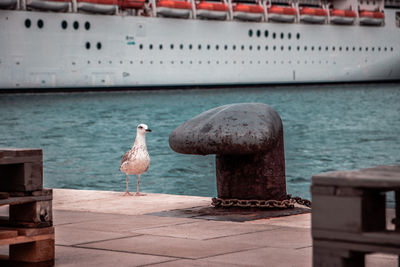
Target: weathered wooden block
point(349, 214)
point(21, 169)
point(39, 253)
point(33, 214)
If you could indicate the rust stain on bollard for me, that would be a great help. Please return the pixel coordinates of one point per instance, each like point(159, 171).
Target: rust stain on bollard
point(248, 142)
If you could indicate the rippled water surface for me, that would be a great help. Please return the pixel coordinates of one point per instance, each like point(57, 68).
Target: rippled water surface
point(84, 135)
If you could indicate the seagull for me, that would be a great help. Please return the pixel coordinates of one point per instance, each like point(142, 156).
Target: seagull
point(136, 160)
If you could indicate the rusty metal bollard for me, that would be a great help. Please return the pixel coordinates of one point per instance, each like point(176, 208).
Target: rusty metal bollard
point(247, 139)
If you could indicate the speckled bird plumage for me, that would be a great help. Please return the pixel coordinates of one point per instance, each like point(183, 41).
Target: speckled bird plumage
point(136, 160)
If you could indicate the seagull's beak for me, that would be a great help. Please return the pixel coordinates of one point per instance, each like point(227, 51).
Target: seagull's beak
point(148, 130)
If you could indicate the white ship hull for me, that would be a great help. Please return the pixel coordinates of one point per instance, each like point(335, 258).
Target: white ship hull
point(131, 51)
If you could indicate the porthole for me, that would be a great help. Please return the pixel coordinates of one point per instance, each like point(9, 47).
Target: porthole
point(28, 23)
point(282, 48)
point(266, 33)
point(340, 48)
point(199, 47)
point(87, 25)
point(298, 36)
point(312, 48)
point(150, 46)
point(360, 48)
point(250, 33)
point(274, 35)
point(250, 47)
point(289, 48)
point(282, 35)
point(274, 47)
point(319, 48)
point(366, 48)
point(298, 48)
point(373, 48)
point(76, 25)
point(258, 33)
point(289, 36)
point(226, 47)
point(190, 46)
point(234, 47)
point(87, 45)
point(171, 46)
point(160, 46)
point(242, 47)
point(385, 48)
point(326, 48)
point(305, 48)
point(141, 46)
point(181, 46)
point(216, 47)
point(208, 47)
point(391, 49)
point(110, 62)
point(98, 45)
point(379, 48)
point(333, 48)
point(347, 48)
point(258, 47)
point(40, 23)
point(266, 48)
point(64, 24)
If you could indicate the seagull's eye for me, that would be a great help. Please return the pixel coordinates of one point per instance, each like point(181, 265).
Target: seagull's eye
point(140, 127)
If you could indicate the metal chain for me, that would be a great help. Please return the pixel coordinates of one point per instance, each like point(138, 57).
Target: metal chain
point(255, 203)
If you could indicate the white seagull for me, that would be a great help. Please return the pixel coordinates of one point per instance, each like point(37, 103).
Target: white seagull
point(136, 160)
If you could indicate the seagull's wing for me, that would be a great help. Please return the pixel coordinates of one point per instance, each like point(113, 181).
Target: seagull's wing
point(125, 157)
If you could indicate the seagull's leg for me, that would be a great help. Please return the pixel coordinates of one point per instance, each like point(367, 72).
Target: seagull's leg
point(127, 192)
point(137, 190)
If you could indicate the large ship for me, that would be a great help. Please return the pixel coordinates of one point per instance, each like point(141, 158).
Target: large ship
point(47, 44)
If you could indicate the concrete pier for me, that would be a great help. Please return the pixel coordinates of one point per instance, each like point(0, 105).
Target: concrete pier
point(98, 228)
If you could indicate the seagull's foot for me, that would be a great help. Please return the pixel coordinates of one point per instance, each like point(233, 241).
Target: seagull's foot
point(140, 194)
point(127, 194)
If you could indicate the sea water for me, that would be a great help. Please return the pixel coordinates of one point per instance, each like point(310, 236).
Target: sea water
point(84, 135)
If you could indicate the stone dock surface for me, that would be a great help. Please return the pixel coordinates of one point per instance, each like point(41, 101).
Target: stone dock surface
point(101, 228)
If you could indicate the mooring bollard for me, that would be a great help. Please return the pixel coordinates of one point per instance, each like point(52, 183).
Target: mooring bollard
point(247, 139)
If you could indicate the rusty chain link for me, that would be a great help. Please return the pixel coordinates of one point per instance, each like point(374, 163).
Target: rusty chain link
point(255, 203)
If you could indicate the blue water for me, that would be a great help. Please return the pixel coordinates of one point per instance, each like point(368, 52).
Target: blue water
point(84, 135)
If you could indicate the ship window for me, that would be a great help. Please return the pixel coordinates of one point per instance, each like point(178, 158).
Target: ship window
point(172, 46)
point(87, 25)
point(110, 62)
point(289, 35)
point(226, 47)
point(340, 48)
point(326, 48)
point(64, 24)
point(274, 35)
point(190, 46)
point(250, 47)
point(199, 47)
point(347, 48)
point(354, 48)
point(289, 48)
point(333, 48)
point(208, 47)
point(266, 33)
point(385, 48)
point(391, 49)
point(298, 36)
point(242, 47)
point(250, 33)
point(87, 45)
point(360, 48)
point(234, 47)
point(160, 46)
point(366, 48)
point(379, 48)
point(373, 48)
point(181, 46)
point(28, 23)
point(141, 46)
point(319, 48)
point(216, 47)
point(150, 46)
point(258, 33)
point(312, 48)
point(282, 47)
point(258, 47)
point(305, 48)
point(76, 25)
point(266, 47)
point(282, 35)
point(298, 48)
point(274, 47)
point(98, 45)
